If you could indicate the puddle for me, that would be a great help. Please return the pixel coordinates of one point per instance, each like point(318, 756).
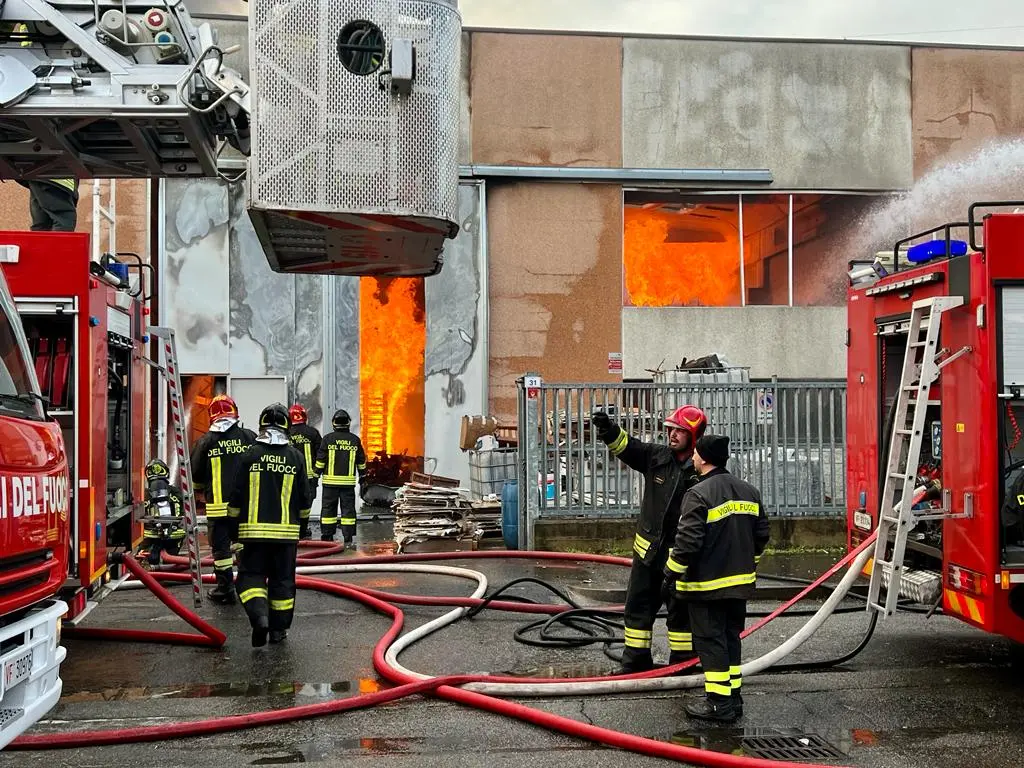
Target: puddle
point(328, 749)
point(298, 690)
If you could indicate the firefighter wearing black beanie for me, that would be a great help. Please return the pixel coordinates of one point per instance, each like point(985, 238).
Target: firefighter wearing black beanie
point(722, 532)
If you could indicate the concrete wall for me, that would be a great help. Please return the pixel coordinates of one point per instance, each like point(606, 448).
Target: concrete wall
point(546, 100)
point(788, 342)
point(555, 255)
point(963, 100)
point(827, 116)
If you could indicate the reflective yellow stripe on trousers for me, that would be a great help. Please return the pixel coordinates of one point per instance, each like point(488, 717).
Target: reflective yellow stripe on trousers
point(718, 682)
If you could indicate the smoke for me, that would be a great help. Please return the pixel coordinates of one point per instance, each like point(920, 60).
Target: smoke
point(941, 196)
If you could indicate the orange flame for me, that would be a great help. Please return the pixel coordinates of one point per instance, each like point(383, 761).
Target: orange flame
point(663, 274)
point(392, 340)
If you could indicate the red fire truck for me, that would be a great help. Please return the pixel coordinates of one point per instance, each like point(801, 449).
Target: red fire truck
point(75, 338)
point(959, 548)
point(34, 512)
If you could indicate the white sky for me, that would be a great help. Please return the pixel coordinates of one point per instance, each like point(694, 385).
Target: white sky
point(984, 22)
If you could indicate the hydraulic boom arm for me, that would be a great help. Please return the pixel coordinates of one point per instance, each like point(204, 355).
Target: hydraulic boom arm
point(114, 90)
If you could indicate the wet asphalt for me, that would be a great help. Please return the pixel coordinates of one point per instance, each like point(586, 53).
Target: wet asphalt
point(925, 693)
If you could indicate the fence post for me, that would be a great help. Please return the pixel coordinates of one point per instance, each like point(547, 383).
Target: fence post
point(531, 443)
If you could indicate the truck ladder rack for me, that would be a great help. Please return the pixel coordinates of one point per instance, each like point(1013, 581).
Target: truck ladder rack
point(922, 365)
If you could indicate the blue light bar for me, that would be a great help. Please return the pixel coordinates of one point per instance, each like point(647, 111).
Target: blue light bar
point(933, 249)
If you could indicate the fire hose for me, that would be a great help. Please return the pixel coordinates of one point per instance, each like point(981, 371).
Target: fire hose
point(412, 683)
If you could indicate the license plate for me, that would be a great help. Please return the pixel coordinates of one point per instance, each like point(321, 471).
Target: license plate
point(862, 520)
point(17, 670)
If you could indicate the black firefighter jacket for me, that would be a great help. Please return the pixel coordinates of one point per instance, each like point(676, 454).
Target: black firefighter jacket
point(722, 532)
point(340, 458)
point(664, 477)
point(307, 439)
point(271, 494)
point(216, 457)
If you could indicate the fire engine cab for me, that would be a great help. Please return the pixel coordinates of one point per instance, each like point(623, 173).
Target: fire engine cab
point(962, 545)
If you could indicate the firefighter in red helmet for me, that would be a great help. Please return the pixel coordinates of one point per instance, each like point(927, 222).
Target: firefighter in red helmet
point(216, 457)
point(307, 439)
point(668, 474)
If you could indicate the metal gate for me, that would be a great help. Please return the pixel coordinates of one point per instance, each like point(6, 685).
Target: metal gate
point(787, 438)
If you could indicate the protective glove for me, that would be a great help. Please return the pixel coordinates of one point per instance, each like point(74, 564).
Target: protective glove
point(668, 588)
point(603, 425)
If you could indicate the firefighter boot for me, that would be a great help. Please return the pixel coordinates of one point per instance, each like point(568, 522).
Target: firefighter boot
point(716, 709)
point(278, 636)
point(636, 660)
point(737, 703)
point(224, 592)
point(260, 627)
point(678, 657)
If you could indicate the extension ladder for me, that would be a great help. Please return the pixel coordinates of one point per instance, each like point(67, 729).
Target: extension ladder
point(173, 378)
point(922, 364)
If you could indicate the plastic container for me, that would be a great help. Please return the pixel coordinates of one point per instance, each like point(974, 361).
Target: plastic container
point(510, 514)
point(488, 470)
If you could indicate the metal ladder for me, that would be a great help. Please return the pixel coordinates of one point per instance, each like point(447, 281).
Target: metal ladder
point(173, 378)
point(922, 364)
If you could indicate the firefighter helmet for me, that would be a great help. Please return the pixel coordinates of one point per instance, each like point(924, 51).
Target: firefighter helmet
point(157, 469)
point(689, 418)
point(274, 416)
point(341, 419)
point(297, 414)
point(222, 407)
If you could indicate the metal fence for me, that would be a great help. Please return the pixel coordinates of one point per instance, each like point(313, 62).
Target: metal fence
point(787, 438)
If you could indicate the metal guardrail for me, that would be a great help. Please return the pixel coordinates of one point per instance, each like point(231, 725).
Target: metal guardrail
point(788, 438)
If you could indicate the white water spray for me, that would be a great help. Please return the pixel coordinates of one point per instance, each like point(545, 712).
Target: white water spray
point(995, 172)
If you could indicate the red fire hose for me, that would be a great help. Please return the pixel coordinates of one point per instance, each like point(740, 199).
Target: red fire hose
point(443, 687)
point(211, 636)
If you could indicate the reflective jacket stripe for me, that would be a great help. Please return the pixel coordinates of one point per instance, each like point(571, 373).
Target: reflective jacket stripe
point(286, 498)
point(218, 483)
point(254, 498)
point(725, 582)
point(307, 451)
point(722, 511)
point(618, 445)
point(268, 531)
point(641, 545)
point(674, 566)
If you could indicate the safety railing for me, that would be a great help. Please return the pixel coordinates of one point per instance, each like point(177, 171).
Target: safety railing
point(787, 438)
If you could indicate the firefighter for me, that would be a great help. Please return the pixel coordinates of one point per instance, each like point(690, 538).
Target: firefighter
point(722, 532)
point(216, 457)
point(163, 501)
point(668, 473)
point(307, 439)
point(340, 457)
point(270, 497)
point(53, 204)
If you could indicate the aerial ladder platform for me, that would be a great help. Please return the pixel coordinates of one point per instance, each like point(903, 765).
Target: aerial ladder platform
point(344, 128)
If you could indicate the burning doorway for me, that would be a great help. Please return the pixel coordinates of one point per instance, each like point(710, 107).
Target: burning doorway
point(392, 341)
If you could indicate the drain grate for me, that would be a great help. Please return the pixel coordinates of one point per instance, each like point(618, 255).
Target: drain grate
point(809, 746)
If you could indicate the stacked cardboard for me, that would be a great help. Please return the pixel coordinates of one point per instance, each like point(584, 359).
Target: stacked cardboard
point(428, 512)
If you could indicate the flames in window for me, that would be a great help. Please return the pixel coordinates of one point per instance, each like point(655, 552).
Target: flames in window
point(392, 340)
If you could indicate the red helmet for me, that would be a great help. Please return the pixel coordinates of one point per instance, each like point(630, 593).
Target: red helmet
point(297, 414)
point(690, 418)
point(222, 407)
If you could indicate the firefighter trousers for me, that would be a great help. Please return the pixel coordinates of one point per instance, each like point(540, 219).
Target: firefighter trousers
point(644, 597)
point(266, 581)
point(221, 529)
point(53, 208)
point(335, 496)
point(304, 523)
point(717, 625)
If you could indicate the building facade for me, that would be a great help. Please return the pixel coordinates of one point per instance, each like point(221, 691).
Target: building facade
point(693, 196)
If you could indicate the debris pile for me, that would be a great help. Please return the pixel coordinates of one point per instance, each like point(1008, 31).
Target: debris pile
point(427, 512)
point(487, 517)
